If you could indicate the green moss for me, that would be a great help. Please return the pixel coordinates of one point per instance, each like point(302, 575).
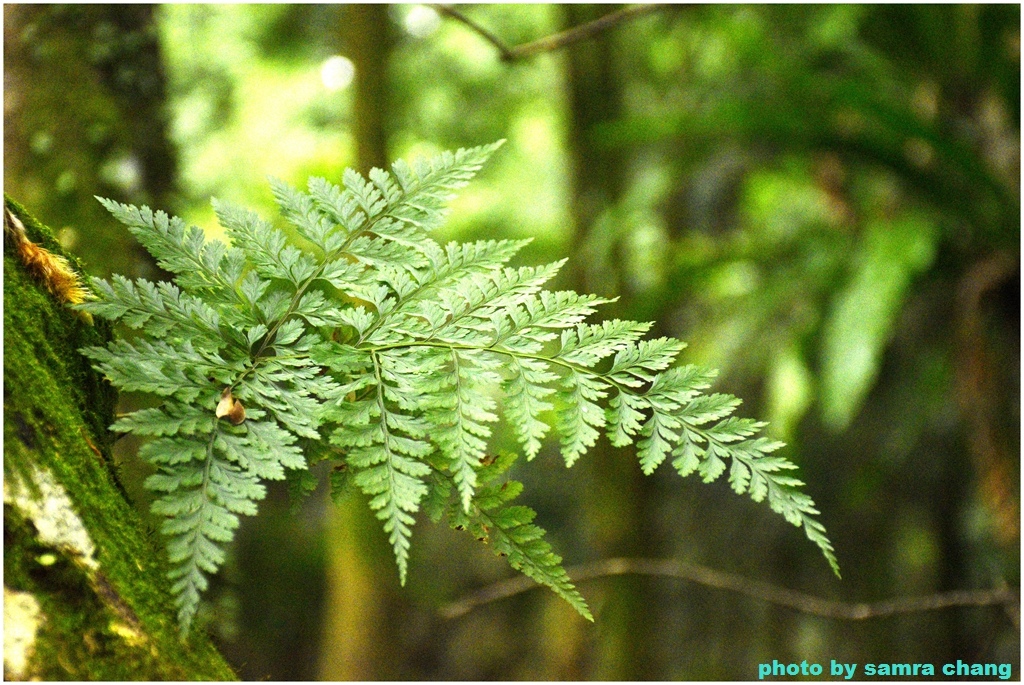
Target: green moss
point(117, 623)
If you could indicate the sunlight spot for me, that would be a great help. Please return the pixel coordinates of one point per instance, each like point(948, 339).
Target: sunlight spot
point(337, 73)
point(421, 21)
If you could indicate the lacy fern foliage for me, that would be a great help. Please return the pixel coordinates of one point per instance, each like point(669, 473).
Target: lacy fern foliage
point(385, 350)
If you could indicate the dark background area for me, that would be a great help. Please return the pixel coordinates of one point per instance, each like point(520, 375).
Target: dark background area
point(823, 201)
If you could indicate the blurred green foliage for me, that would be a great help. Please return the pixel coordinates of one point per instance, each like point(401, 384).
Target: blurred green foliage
point(824, 201)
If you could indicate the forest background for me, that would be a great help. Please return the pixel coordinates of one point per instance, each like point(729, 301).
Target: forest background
point(823, 201)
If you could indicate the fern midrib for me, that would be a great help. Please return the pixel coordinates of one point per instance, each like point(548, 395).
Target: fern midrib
point(510, 353)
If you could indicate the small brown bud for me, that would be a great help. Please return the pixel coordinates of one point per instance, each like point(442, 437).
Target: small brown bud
point(230, 407)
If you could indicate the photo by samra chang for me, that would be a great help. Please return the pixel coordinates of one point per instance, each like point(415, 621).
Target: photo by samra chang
point(851, 671)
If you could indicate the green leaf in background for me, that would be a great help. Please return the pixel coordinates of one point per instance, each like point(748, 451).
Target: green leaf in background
point(862, 318)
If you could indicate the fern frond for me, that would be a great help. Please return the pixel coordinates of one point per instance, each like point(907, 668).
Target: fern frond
point(526, 390)
point(159, 367)
point(300, 210)
point(527, 326)
point(202, 503)
point(470, 307)
point(415, 196)
point(588, 344)
point(161, 308)
point(386, 353)
point(384, 447)
point(199, 265)
point(512, 533)
point(633, 365)
point(447, 267)
point(462, 414)
point(580, 416)
point(265, 248)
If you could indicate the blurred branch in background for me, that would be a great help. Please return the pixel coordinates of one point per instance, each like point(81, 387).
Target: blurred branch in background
point(553, 42)
point(702, 575)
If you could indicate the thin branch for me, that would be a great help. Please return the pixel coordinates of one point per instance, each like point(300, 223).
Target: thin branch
point(583, 31)
point(555, 41)
point(450, 11)
point(757, 589)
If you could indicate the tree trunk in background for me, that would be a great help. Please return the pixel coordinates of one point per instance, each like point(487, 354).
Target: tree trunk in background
point(598, 175)
point(356, 615)
point(369, 40)
point(85, 588)
point(614, 514)
point(104, 131)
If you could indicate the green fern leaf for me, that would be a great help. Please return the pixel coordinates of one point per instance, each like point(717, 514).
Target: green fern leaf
point(300, 210)
point(525, 391)
point(513, 535)
point(264, 247)
point(580, 417)
point(463, 412)
point(375, 348)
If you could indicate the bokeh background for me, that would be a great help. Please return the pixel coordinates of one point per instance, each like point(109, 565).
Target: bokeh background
point(824, 201)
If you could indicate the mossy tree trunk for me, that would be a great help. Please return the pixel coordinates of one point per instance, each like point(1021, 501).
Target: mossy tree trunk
point(85, 588)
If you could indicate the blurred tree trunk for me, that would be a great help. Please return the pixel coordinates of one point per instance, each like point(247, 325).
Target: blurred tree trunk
point(598, 175)
point(370, 43)
point(77, 127)
point(357, 602)
point(85, 588)
point(615, 515)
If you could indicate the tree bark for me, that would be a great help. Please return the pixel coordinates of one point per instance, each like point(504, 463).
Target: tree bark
point(85, 587)
point(598, 175)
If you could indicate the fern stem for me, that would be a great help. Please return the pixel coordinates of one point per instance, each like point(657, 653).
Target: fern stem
point(508, 353)
point(539, 357)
